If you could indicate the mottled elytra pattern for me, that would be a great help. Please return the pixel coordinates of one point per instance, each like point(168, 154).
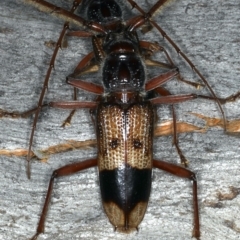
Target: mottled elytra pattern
point(125, 135)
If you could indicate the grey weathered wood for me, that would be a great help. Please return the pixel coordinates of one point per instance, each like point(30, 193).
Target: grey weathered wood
point(208, 32)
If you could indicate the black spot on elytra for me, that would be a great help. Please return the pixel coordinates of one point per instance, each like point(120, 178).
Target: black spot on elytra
point(137, 144)
point(114, 143)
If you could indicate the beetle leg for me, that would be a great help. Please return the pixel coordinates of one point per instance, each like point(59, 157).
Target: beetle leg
point(80, 34)
point(160, 79)
point(88, 86)
point(63, 171)
point(231, 98)
point(86, 65)
point(77, 83)
point(25, 114)
point(164, 92)
point(179, 76)
point(67, 15)
point(152, 48)
point(67, 121)
point(183, 173)
point(73, 105)
point(173, 99)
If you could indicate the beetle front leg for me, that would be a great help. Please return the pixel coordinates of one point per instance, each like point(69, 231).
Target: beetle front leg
point(63, 171)
point(183, 173)
point(155, 47)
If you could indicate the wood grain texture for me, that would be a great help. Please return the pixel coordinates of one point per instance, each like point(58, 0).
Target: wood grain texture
point(208, 32)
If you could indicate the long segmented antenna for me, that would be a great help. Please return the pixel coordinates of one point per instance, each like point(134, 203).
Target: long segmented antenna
point(45, 84)
point(68, 16)
point(148, 16)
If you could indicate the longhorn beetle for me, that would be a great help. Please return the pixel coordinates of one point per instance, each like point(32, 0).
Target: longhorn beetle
point(124, 94)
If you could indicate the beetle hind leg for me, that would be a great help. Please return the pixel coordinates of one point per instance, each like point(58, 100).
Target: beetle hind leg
point(63, 171)
point(183, 173)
